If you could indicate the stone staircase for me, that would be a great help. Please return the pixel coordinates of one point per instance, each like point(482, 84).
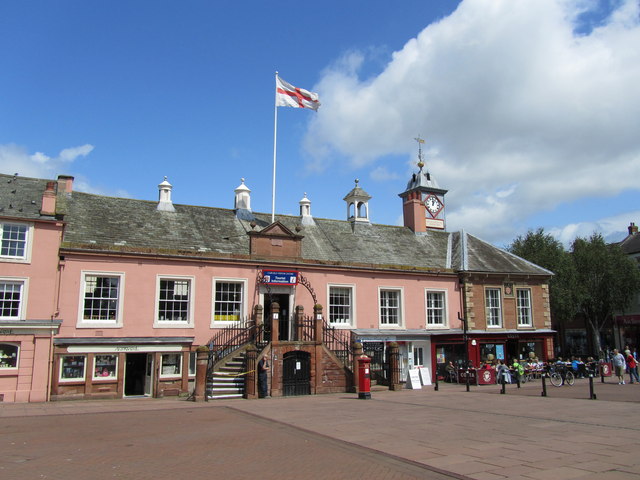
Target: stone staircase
point(226, 381)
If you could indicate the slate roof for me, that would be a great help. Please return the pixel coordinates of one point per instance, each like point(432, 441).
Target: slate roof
point(21, 197)
point(631, 244)
point(99, 222)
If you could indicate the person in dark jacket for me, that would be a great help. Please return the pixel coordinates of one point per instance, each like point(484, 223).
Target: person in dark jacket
point(263, 370)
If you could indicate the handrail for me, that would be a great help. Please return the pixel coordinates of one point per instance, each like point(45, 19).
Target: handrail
point(338, 341)
point(233, 337)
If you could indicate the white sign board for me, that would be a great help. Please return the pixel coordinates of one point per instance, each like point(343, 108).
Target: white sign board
point(425, 376)
point(413, 380)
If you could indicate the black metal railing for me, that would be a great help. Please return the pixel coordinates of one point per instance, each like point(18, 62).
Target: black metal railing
point(338, 341)
point(233, 337)
point(304, 329)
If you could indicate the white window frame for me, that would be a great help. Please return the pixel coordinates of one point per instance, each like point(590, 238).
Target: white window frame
point(22, 309)
point(98, 323)
point(26, 258)
point(17, 347)
point(244, 308)
point(109, 377)
point(171, 375)
point(489, 307)
point(445, 308)
point(400, 293)
point(78, 379)
point(528, 308)
point(351, 322)
point(188, 323)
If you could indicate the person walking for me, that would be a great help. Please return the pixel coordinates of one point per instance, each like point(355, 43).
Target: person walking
point(632, 366)
point(619, 364)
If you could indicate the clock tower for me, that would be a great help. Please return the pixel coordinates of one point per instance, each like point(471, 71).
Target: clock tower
point(423, 200)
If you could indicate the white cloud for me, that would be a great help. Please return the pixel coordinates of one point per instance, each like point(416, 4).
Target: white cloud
point(524, 110)
point(613, 228)
point(71, 154)
point(382, 174)
point(16, 159)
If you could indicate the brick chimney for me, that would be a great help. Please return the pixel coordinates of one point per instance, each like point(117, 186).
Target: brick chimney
point(65, 183)
point(633, 229)
point(49, 200)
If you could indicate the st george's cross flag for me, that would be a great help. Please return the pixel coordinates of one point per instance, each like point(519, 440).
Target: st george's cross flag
point(289, 96)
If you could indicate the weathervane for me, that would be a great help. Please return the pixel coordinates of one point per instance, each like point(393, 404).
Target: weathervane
point(420, 157)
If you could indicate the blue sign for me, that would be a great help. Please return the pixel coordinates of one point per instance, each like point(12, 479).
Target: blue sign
point(279, 277)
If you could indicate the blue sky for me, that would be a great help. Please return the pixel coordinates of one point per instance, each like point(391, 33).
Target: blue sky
point(530, 109)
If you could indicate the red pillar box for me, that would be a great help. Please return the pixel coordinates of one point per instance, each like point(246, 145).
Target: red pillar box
point(364, 377)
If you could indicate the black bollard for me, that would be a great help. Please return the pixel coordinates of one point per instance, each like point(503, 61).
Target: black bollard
point(518, 379)
point(503, 390)
point(592, 396)
point(435, 385)
point(467, 379)
point(601, 374)
point(544, 385)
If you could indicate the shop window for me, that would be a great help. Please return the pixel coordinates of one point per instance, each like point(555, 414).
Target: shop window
point(105, 367)
point(228, 304)
point(340, 305)
point(523, 297)
point(72, 368)
point(101, 299)
point(171, 365)
point(436, 313)
point(390, 307)
point(490, 352)
point(11, 299)
point(493, 307)
point(13, 241)
point(174, 301)
point(9, 355)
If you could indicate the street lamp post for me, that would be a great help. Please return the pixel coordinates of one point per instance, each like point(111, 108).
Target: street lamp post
point(466, 349)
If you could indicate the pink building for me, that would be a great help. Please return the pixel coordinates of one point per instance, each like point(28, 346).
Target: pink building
point(29, 280)
point(140, 285)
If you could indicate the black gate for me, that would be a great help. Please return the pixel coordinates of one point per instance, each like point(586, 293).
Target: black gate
point(296, 374)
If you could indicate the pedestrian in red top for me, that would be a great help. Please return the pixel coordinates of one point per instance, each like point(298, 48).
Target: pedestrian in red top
point(632, 365)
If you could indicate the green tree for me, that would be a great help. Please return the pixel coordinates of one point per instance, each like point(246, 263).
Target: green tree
point(607, 282)
point(544, 250)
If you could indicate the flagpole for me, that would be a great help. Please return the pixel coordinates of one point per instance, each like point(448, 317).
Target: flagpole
point(275, 136)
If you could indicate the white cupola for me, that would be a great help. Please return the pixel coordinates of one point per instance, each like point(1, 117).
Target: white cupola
point(242, 202)
point(305, 212)
point(357, 205)
point(164, 201)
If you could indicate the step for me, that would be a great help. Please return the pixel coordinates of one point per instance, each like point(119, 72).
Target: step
point(222, 397)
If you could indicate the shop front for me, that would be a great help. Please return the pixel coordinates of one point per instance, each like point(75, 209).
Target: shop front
point(413, 347)
point(122, 367)
point(481, 348)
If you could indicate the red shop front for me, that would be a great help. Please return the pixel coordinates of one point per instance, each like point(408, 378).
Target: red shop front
point(488, 347)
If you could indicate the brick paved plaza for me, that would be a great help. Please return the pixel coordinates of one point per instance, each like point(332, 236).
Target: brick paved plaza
point(450, 433)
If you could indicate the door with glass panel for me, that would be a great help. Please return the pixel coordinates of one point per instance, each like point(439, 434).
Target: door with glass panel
point(148, 376)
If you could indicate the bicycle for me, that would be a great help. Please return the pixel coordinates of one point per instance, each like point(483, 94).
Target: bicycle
point(559, 376)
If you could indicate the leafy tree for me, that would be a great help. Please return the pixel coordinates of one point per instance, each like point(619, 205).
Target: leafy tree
point(607, 282)
point(544, 250)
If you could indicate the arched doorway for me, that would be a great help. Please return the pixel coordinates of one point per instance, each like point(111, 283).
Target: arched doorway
point(296, 378)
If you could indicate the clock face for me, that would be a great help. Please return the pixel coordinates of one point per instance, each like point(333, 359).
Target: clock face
point(433, 204)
